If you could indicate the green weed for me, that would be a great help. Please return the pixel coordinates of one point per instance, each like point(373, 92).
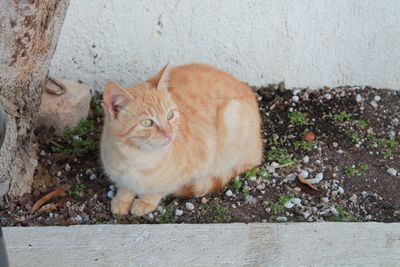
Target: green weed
point(298, 118)
point(342, 116)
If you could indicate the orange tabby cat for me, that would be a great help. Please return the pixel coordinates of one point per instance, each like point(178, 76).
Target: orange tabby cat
point(187, 131)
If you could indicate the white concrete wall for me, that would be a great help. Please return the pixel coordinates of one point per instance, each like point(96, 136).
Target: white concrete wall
point(305, 43)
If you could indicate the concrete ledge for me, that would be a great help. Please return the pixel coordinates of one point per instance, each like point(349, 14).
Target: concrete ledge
point(298, 244)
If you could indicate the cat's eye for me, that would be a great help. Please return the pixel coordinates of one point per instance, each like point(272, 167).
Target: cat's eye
point(146, 123)
point(170, 115)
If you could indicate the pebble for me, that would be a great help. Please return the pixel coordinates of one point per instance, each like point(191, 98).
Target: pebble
point(178, 212)
point(250, 200)
point(92, 176)
point(295, 98)
point(42, 153)
point(67, 167)
point(319, 176)
point(297, 189)
point(229, 193)
point(341, 190)
point(306, 214)
point(289, 205)
point(281, 219)
point(328, 96)
point(189, 206)
point(374, 104)
point(296, 201)
point(275, 165)
point(377, 98)
point(340, 151)
point(325, 200)
point(318, 162)
point(334, 211)
point(304, 173)
point(112, 188)
point(59, 173)
point(151, 216)
point(392, 134)
point(253, 178)
point(353, 199)
point(296, 92)
point(110, 194)
point(78, 218)
point(359, 98)
point(268, 210)
point(204, 200)
point(392, 171)
point(306, 159)
point(291, 177)
point(335, 145)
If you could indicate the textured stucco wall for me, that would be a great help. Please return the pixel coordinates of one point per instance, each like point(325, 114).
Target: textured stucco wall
point(305, 43)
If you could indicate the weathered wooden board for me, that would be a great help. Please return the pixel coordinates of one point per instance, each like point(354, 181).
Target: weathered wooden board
point(297, 244)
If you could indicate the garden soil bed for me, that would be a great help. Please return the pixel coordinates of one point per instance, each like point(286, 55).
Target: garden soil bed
point(343, 141)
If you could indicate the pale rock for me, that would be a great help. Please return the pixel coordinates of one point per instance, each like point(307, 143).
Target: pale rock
point(229, 193)
point(178, 212)
point(289, 205)
point(189, 206)
point(304, 173)
point(392, 171)
point(306, 159)
point(65, 111)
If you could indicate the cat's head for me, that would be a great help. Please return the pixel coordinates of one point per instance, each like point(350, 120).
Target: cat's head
point(143, 116)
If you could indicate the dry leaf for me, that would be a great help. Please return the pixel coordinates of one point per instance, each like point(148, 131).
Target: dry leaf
point(304, 181)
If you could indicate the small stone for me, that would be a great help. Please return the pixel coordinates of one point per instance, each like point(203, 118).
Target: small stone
point(42, 153)
point(328, 96)
point(353, 199)
point(92, 176)
point(253, 178)
point(359, 98)
point(340, 151)
point(335, 145)
point(268, 209)
point(325, 199)
point(296, 201)
point(392, 134)
point(319, 176)
point(304, 173)
point(295, 98)
point(112, 188)
point(291, 177)
point(178, 212)
point(306, 159)
point(334, 211)
point(59, 173)
point(318, 162)
point(275, 165)
point(377, 98)
point(306, 214)
point(281, 219)
point(297, 189)
point(189, 206)
point(229, 193)
point(341, 190)
point(204, 200)
point(250, 200)
point(110, 194)
point(78, 218)
point(270, 169)
point(296, 91)
point(392, 171)
point(64, 111)
point(150, 216)
point(374, 104)
point(67, 167)
point(289, 205)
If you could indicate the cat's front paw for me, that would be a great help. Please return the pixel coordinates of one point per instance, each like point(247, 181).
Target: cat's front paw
point(140, 208)
point(120, 207)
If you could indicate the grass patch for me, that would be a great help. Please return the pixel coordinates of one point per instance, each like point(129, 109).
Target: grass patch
point(280, 155)
point(364, 167)
point(303, 145)
point(78, 190)
point(362, 124)
point(354, 138)
point(342, 116)
point(352, 171)
point(221, 214)
point(345, 216)
point(279, 206)
point(77, 139)
point(257, 172)
point(167, 216)
point(298, 118)
point(237, 185)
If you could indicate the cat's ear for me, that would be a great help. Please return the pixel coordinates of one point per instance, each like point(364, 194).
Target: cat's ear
point(115, 99)
point(161, 79)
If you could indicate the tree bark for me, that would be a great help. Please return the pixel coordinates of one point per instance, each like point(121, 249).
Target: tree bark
point(29, 31)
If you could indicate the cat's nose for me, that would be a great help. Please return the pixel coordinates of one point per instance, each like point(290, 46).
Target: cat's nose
point(168, 135)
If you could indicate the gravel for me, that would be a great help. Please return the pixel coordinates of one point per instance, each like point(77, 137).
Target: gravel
point(189, 206)
point(229, 193)
point(178, 212)
point(392, 171)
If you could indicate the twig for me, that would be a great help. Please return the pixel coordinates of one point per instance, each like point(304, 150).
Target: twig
point(51, 195)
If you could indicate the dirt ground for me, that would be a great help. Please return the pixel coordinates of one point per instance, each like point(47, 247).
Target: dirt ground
point(330, 155)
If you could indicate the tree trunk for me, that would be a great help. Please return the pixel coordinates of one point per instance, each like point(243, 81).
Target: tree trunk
point(29, 31)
